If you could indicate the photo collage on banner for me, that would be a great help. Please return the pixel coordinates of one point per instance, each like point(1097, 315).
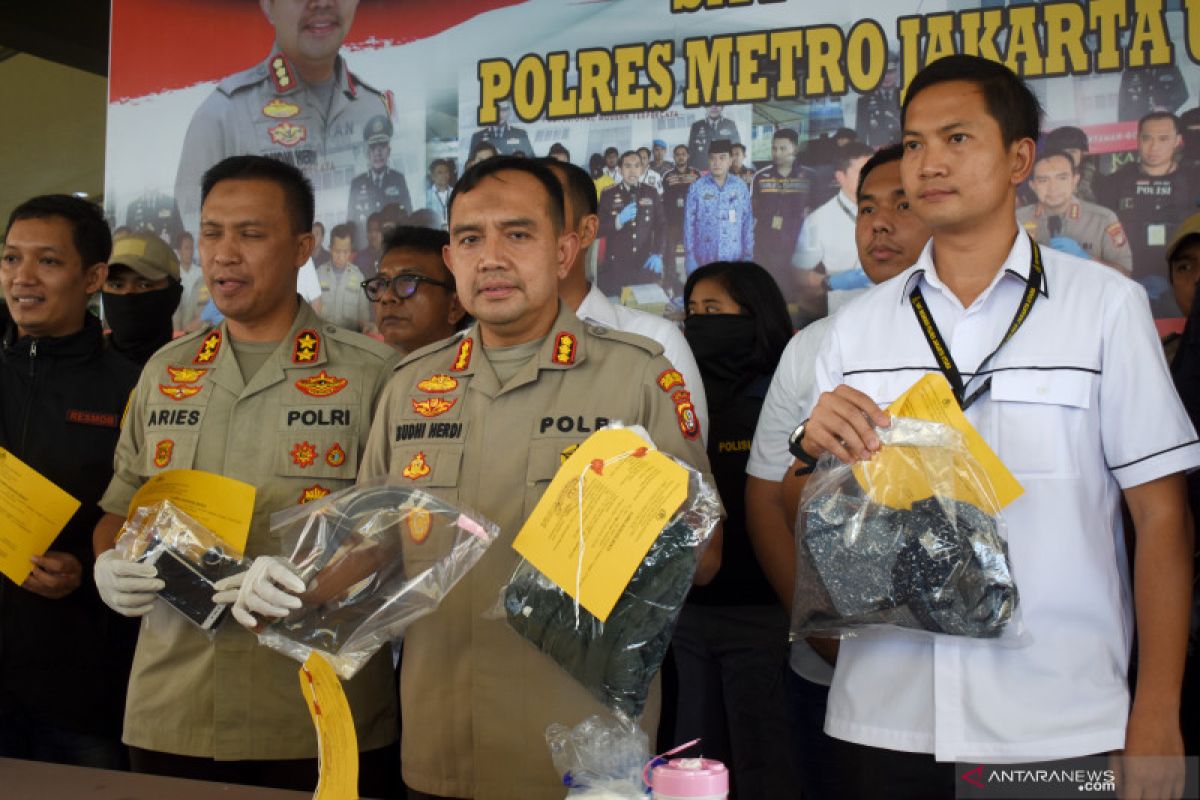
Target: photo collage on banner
point(714, 130)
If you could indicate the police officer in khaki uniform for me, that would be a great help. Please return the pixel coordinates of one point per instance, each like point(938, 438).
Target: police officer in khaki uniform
point(485, 420)
point(1061, 220)
point(279, 399)
point(342, 299)
point(301, 105)
point(631, 220)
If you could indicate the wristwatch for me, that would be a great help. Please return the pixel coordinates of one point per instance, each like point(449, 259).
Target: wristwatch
point(796, 450)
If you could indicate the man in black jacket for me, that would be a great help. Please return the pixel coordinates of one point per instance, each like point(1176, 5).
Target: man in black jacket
point(64, 657)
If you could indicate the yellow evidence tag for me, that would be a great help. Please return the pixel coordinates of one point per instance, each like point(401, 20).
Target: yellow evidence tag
point(33, 511)
point(613, 495)
point(223, 505)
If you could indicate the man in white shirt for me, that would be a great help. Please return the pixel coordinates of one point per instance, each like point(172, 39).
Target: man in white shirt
point(589, 302)
point(187, 316)
point(889, 238)
point(1056, 363)
point(826, 243)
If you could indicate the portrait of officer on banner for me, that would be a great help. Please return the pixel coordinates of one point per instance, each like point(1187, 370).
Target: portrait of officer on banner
point(301, 105)
point(380, 185)
point(508, 140)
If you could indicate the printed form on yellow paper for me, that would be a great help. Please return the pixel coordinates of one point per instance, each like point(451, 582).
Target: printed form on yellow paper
point(33, 511)
point(629, 492)
point(898, 476)
point(223, 505)
point(337, 744)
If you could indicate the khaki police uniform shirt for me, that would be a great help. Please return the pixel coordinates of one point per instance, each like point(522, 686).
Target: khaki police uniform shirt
point(296, 433)
point(343, 301)
point(1096, 228)
point(269, 110)
point(476, 696)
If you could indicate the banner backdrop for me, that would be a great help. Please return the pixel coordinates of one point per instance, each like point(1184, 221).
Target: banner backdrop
point(383, 102)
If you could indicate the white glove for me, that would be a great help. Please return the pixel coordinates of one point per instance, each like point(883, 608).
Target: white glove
point(127, 587)
point(261, 591)
point(227, 589)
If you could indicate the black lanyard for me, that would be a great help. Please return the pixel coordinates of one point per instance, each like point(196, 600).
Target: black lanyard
point(938, 345)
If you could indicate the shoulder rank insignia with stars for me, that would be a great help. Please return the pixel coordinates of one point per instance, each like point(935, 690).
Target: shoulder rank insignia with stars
point(689, 423)
point(564, 349)
point(307, 347)
point(669, 380)
point(209, 347)
point(417, 468)
point(433, 406)
point(186, 374)
point(463, 358)
point(178, 393)
point(321, 385)
point(438, 384)
point(281, 74)
point(314, 492)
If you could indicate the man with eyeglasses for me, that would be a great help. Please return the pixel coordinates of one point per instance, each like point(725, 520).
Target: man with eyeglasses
point(413, 295)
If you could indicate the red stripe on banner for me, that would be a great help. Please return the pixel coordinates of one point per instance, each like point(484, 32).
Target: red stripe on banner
point(160, 45)
point(1111, 137)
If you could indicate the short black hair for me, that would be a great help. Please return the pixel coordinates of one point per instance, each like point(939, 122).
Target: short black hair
point(736, 145)
point(786, 133)
point(642, 149)
point(1157, 115)
point(1008, 99)
point(1043, 155)
point(752, 288)
point(297, 190)
point(480, 146)
point(580, 187)
point(852, 151)
point(612, 150)
point(89, 230)
point(343, 231)
point(530, 166)
point(422, 240)
point(559, 147)
point(1068, 137)
point(893, 152)
point(627, 154)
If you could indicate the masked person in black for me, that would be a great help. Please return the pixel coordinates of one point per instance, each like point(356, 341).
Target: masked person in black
point(141, 294)
point(731, 643)
point(64, 657)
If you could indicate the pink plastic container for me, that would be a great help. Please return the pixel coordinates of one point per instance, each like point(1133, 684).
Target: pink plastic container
point(690, 779)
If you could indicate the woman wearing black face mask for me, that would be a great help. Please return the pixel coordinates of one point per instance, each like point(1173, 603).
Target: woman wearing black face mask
point(731, 643)
point(140, 295)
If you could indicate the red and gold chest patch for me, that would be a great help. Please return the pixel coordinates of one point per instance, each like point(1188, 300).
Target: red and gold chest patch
point(335, 456)
point(314, 492)
point(306, 348)
point(420, 523)
point(462, 359)
point(186, 374)
point(163, 452)
point(303, 454)
point(321, 385)
point(280, 109)
point(178, 393)
point(564, 349)
point(417, 468)
point(689, 423)
point(433, 406)
point(209, 347)
point(438, 384)
point(288, 134)
point(669, 380)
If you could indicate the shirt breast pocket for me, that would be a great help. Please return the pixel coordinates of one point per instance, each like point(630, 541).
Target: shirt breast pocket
point(1038, 417)
point(432, 468)
point(546, 457)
